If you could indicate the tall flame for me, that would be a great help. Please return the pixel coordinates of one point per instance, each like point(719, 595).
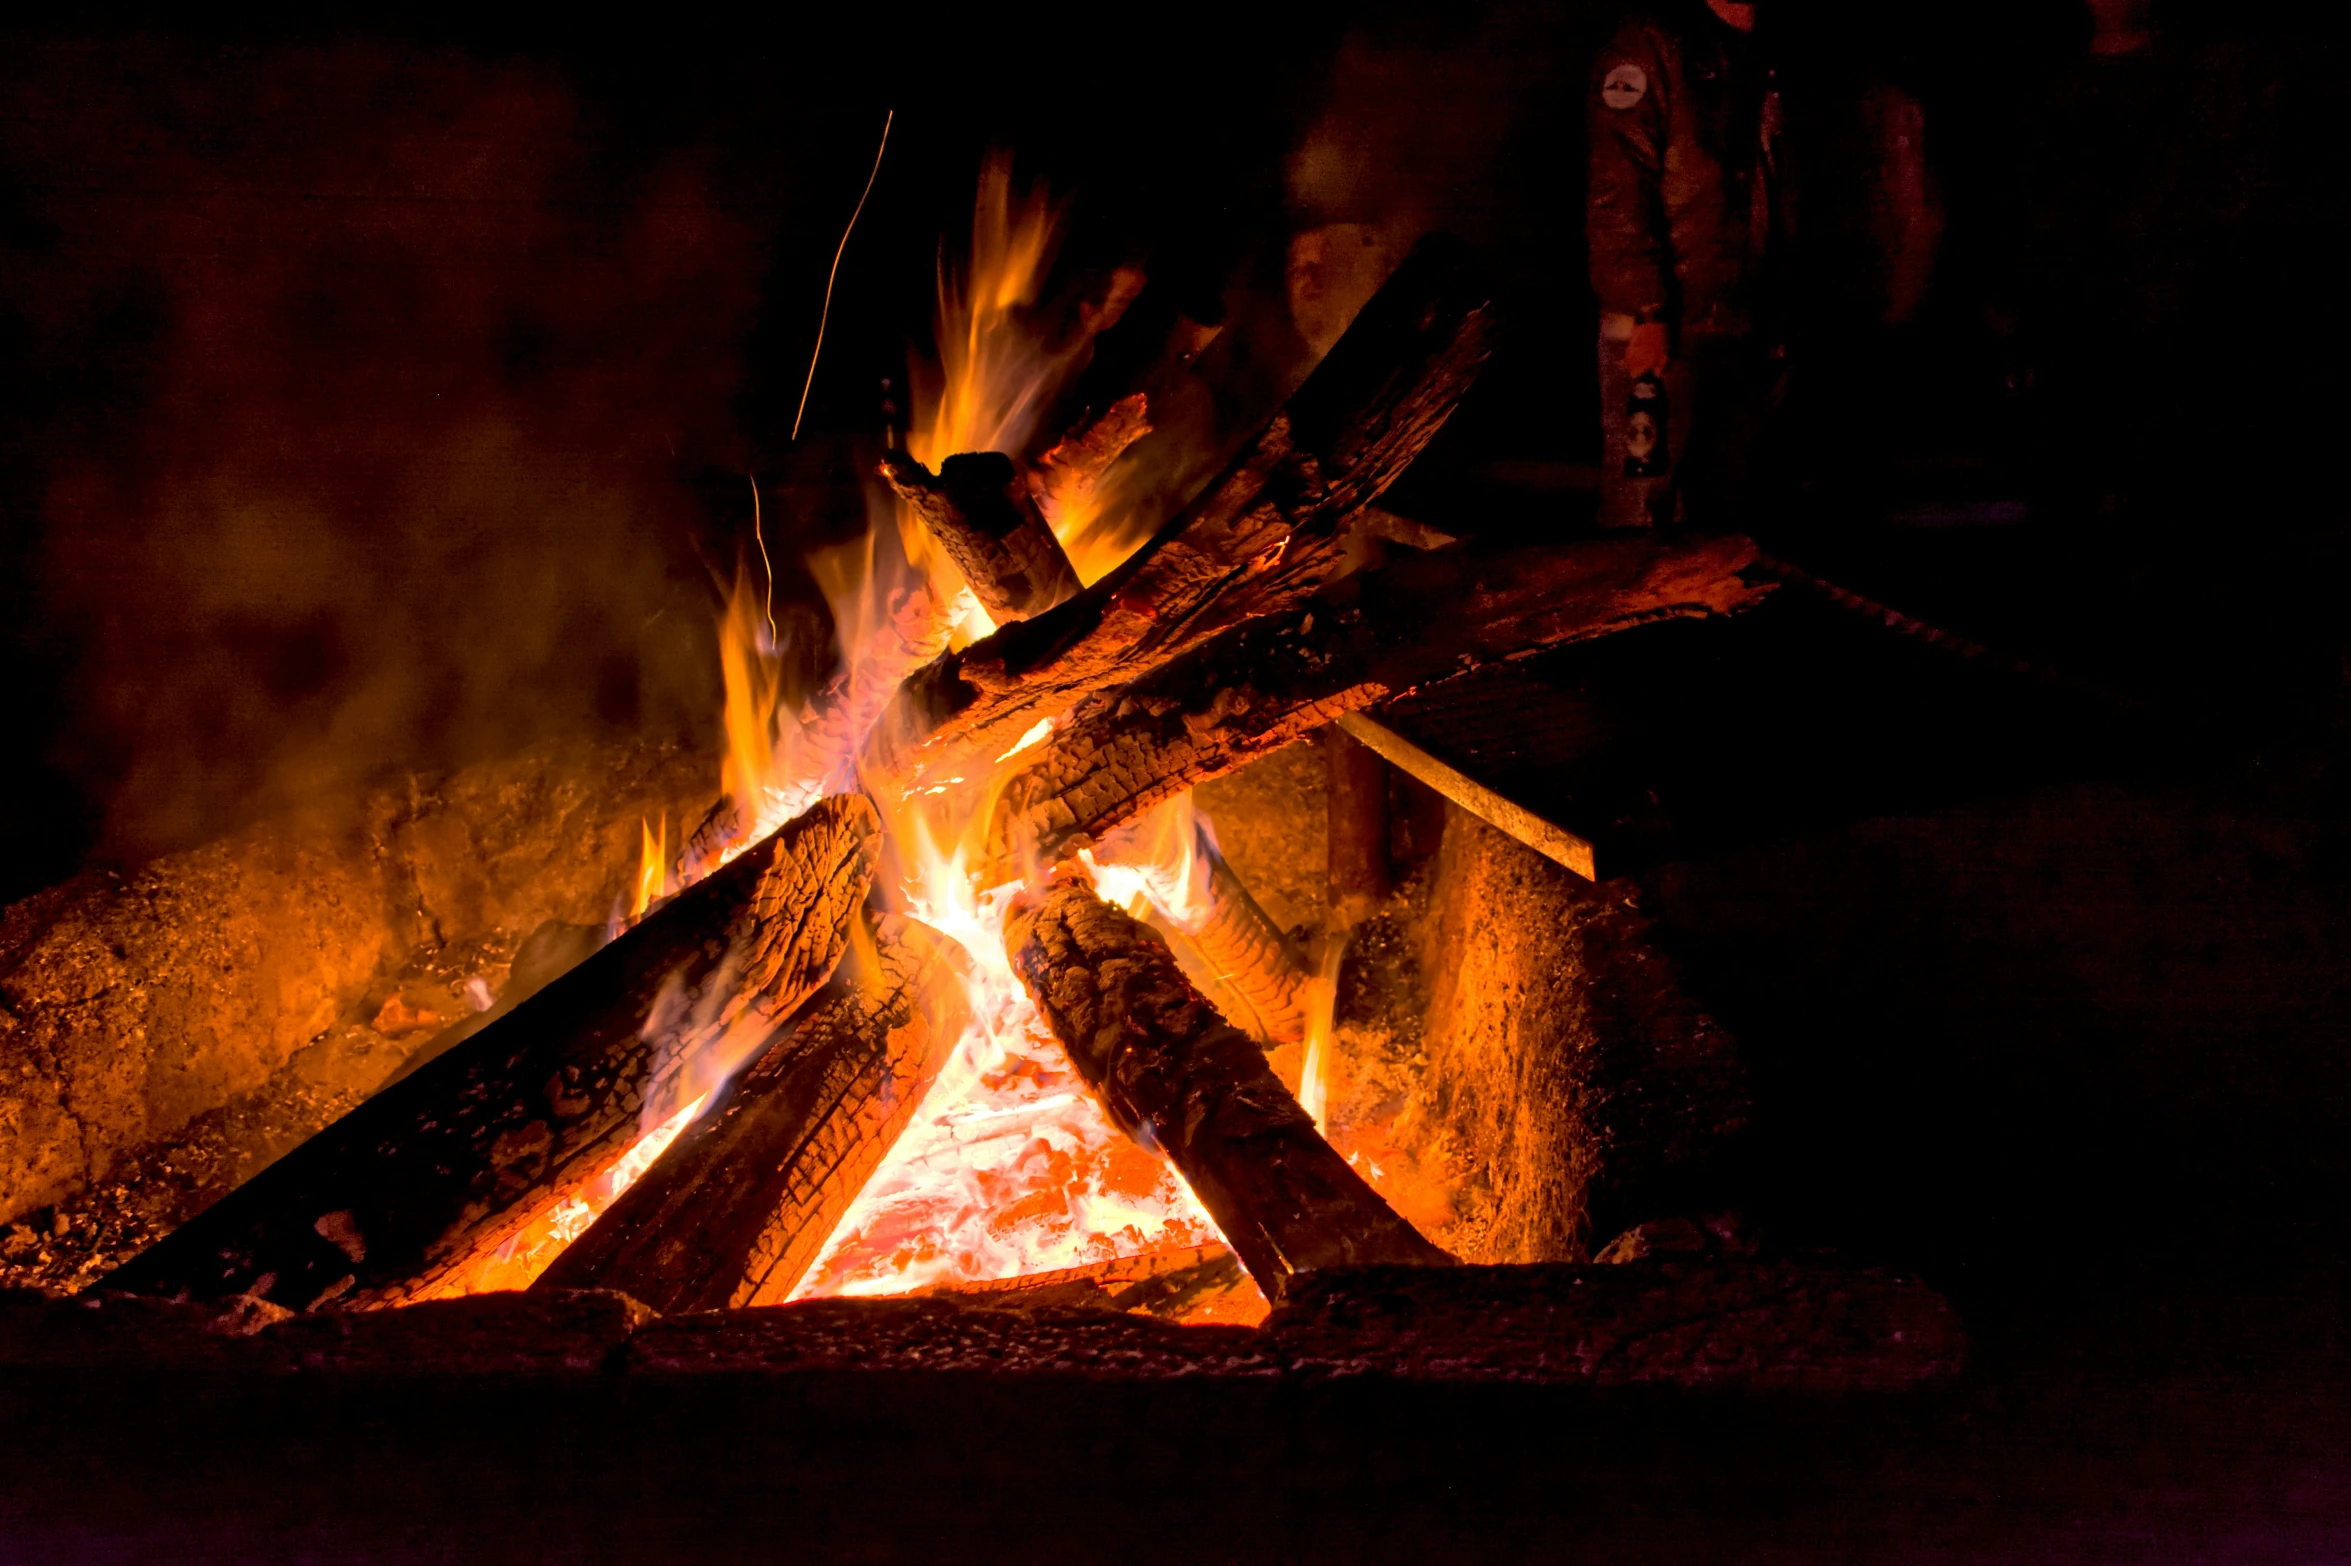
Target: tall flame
point(1010, 1166)
point(996, 374)
point(1322, 998)
point(653, 873)
point(757, 727)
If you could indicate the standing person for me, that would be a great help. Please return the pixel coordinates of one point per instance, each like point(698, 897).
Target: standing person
point(1688, 223)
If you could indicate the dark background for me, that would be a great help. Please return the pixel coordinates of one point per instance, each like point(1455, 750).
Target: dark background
point(383, 392)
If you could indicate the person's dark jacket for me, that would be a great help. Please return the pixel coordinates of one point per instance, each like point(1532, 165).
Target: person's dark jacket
point(1684, 210)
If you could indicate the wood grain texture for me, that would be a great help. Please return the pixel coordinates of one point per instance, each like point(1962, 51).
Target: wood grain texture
point(1263, 535)
point(1176, 1076)
point(979, 509)
point(407, 1190)
point(1361, 641)
point(741, 1201)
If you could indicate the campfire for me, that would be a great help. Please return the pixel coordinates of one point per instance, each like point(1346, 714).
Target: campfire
point(953, 989)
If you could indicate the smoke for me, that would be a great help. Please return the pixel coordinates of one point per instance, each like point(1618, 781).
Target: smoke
point(364, 376)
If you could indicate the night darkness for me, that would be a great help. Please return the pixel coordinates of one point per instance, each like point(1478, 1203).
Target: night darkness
point(386, 394)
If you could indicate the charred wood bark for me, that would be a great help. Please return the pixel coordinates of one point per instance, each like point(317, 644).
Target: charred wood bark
point(1264, 535)
point(979, 508)
point(446, 1165)
point(1252, 970)
point(1176, 1076)
point(1198, 1282)
point(1361, 641)
point(736, 1209)
point(1067, 477)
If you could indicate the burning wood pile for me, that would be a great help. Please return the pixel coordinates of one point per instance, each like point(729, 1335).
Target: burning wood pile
point(929, 901)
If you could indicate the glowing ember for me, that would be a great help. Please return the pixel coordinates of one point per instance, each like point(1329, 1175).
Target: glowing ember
point(1010, 1166)
point(570, 1220)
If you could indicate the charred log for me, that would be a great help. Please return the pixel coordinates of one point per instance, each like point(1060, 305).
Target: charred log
point(831, 728)
point(1361, 641)
point(1176, 1076)
point(1250, 968)
point(979, 508)
point(1264, 535)
point(1067, 477)
point(399, 1196)
point(1194, 1283)
point(735, 1210)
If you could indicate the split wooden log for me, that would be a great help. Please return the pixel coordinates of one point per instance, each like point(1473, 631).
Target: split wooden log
point(1366, 638)
point(737, 1208)
point(1193, 1283)
point(979, 508)
point(1253, 971)
point(1177, 1077)
point(1264, 535)
point(414, 1186)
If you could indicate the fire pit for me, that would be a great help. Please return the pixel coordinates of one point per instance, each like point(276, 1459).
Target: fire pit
point(954, 998)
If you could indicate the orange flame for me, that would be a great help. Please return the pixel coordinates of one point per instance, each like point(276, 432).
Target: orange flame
point(1010, 1166)
point(756, 726)
point(1322, 996)
point(653, 874)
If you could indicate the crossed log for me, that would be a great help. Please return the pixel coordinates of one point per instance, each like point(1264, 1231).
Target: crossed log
point(1233, 631)
point(451, 1163)
point(1177, 1076)
point(734, 1212)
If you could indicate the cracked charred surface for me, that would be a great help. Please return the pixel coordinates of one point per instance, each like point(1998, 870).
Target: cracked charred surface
point(737, 1208)
point(1265, 533)
point(246, 989)
point(979, 509)
point(400, 1196)
point(1176, 1076)
point(1358, 642)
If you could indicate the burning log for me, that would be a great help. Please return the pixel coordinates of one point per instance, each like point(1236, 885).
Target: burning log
point(1254, 971)
point(1068, 477)
point(832, 727)
point(1176, 1076)
point(1250, 955)
point(979, 509)
point(1361, 641)
point(1193, 1283)
point(737, 1208)
point(1264, 535)
point(403, 1194)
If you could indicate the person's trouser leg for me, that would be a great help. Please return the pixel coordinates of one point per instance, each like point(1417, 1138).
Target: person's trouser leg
point(1629, 502)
